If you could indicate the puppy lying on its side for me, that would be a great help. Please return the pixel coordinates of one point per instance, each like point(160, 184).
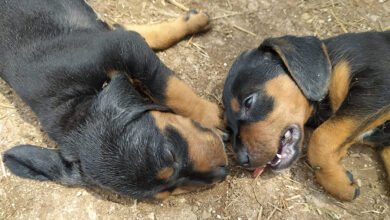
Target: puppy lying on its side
point(57, 55)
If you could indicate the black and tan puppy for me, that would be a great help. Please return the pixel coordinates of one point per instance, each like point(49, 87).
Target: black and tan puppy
point(57, 55)
point(339, 86)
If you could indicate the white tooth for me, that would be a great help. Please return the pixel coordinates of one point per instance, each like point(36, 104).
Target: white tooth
point(288, 134)
point(279, 156)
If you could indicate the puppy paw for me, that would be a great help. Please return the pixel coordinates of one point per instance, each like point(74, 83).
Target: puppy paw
point(197, 22)
point(339, 183)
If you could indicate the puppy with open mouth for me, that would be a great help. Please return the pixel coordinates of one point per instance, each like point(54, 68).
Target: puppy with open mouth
point(338, 86)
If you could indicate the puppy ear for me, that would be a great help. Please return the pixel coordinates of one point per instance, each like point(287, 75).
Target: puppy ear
point(41, 164)
point(307, 61)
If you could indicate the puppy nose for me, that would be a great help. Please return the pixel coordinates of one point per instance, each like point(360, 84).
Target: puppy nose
point(243, 158)
point(221, 173)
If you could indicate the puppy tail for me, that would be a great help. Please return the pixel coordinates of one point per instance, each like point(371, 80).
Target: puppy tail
point(42, 164)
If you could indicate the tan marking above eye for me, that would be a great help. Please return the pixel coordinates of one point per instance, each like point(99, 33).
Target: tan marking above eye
point(234, 105)
point(290, 107)
point(162, 195)
point(339, 84)
point(205, 149)
point(165, 173)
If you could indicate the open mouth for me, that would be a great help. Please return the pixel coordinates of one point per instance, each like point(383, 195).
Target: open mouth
point(288, 148)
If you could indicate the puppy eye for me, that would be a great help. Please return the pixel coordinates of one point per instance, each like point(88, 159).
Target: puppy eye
point(248, 102)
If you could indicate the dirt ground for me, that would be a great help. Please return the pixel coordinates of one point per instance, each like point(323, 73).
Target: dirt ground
point(204, 62)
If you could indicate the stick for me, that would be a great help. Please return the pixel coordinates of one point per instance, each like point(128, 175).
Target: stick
point(7, 106)
point(338, 21)
point(2, 167)
point(260, 213)
point(275, 207)
point(272, 213)
point(244, 30)
point(177, 4)
point(229, 15)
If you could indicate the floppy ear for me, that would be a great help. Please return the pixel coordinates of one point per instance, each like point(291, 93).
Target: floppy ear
point(307, 61)
point(42, 164)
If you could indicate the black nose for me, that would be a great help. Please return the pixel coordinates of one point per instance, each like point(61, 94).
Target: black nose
point(243, 158)
point(221, 173)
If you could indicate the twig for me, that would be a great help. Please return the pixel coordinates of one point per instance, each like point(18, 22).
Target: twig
point(177, 4)
point(6, 106)
point(260, 213)
point(275, 207)
point(2, 167)
point(190, 40)
point(272, 213)
point(203, 52)
point(244, 30)
point(338, 21)
point(308, 166)
point(293, 197)
point(380, 25)
point(292, 180)
point(229, 15)
point(254, 193)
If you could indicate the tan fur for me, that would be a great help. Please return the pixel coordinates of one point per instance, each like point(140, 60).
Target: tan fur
point(163, 35)
point(328, 145)
point(183, 101)
point(205, 149)
point(339, 84)
point(290, 107)
point(162, 195)
point(385, 155)
point(234, 105)
point(165, 173)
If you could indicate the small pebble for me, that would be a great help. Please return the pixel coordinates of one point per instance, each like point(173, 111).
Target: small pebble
point(224, 64)
point(219, 217)
point(78, 194)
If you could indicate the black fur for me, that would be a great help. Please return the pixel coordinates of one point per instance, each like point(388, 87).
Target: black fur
point(56, 55)
point(306, 62)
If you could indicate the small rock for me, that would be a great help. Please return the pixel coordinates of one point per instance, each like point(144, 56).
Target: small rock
point(151, 216)
point(374, 18)
point(79, 194)
point(359, 182)
point(305, 16)
point(219, 217)
point(206, 215)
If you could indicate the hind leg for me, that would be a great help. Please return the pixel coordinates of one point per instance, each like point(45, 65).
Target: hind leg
point(163, 35)
point(385, 155)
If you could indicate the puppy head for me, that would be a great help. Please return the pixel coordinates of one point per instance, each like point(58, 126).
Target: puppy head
point(197, 155)
point(267, 98)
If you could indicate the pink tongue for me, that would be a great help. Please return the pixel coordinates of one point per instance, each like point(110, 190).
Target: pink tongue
point(258, 171)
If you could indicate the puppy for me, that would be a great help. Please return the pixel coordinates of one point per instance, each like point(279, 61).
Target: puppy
point(57, 55)
point(339, 86)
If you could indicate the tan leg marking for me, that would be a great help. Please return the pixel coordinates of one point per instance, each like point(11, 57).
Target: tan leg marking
point(328, 145)
point(163, 35)
point(165, 173)
point(183, 101)
point(162, 195)
point(339, 84)
point(385, 155)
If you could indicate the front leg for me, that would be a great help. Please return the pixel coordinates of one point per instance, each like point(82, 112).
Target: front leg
point(328, 145)
point(139, 60)
point(163, 35)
